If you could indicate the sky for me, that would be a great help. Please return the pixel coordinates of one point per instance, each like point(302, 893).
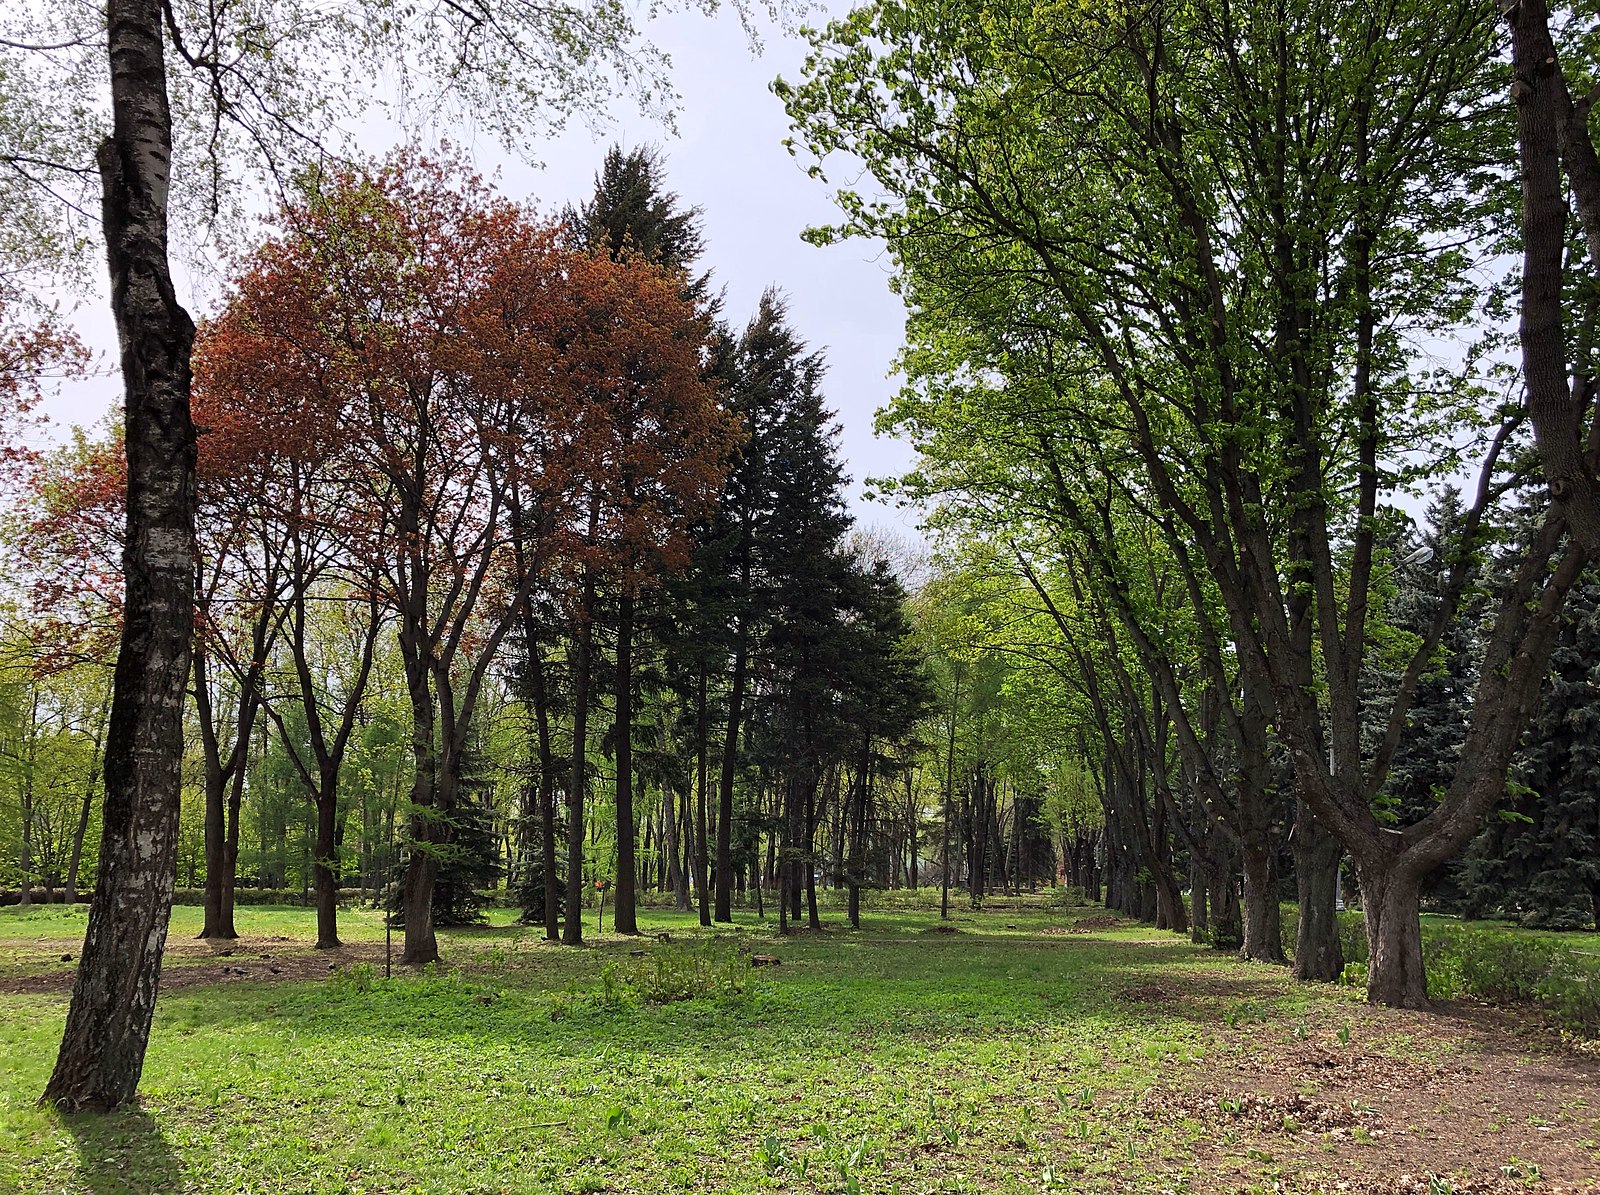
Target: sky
point(727, 158)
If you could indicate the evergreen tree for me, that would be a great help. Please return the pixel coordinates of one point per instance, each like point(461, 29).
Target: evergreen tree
point(1426, 758)
point(631, 211)
point(885, 692)
point(469, 862)
point(1539, 860)
point(777, 531)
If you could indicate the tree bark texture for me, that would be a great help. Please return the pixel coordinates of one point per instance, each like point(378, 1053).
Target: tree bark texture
point(1317, 953)
point(113, 999)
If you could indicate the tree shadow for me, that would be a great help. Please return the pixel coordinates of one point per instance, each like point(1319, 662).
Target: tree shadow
point(123, 1153)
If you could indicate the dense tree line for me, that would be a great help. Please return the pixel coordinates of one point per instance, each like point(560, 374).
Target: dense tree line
point(460, 547)
point(1167, 272)
point(513, 560)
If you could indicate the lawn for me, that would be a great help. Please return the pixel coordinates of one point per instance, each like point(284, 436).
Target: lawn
point(1030, 1050)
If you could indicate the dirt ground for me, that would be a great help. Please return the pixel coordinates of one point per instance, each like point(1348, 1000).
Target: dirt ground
point(1465, 1100)
point(190, 962)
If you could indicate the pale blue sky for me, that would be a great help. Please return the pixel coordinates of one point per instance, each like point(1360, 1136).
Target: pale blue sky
point(727, 158)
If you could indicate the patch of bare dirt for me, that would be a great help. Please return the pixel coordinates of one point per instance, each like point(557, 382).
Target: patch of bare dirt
point(1465, 1101)
point(269, 958)
point(1265, 1113)
point(1087, 925)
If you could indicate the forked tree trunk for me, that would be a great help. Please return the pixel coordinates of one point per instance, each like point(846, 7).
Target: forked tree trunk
point(114, 997)
point(1263, 923)
point(1317, 953)
point(1390, 900)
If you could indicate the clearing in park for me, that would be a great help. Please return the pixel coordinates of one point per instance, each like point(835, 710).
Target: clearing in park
point(1017, 1048)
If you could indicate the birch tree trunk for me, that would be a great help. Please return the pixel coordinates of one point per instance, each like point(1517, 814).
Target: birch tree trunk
point(113, 1000)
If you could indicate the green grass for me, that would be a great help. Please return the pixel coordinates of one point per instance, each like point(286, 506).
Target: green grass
point(1001, 1058)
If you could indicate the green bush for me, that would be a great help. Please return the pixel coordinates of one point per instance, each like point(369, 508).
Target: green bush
point(1501, 966)
point(670, 972)
point(1065, 896)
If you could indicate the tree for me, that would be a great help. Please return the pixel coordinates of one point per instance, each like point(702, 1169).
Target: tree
point(508, 62)
point(1233, 367)
point(404, 309)
point(778, 525)
point(885, 693)
point(652, 449)
point(631, 215)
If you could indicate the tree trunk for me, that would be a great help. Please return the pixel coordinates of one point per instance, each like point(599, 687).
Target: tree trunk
point(25, 898)
point(813, 920)
point(572, 931)
point(327, 852)
point(547, 779)
point(913, 847)
point(113, 999)
point(216, 833)
point(1199, 918)
point(1263, 923)
point(702, 878)
point(421, 945)
point(730, 760)
point(1390, 902)
point(677, 873)
point(625, 920)
point(1317, 953)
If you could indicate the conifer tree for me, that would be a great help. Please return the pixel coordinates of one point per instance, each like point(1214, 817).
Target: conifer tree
point(1539, 859)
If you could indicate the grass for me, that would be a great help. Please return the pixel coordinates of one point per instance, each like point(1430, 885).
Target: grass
point(1010, 1056)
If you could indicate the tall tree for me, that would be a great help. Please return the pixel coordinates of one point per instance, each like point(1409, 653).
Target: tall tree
point(780, 520)
point(631, 215)
point(509, 62)
point(1237, 367)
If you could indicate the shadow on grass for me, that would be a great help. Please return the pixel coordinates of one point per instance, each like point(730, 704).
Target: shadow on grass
point(123, 1153)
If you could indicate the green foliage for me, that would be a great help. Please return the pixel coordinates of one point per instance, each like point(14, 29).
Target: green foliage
point(1500, 965)
point(1539, 860)
point(670, 972)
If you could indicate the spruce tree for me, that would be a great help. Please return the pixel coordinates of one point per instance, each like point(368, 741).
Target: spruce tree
point(1539, 860)
point(777, 535)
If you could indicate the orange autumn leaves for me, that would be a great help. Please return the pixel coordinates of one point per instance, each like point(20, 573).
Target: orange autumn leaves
point(440, 349)
point(408, 361)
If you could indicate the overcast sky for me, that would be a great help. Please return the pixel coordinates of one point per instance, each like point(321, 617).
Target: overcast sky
point(727, 158)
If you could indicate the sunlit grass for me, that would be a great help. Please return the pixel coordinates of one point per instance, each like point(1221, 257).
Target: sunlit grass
point(894, 1059)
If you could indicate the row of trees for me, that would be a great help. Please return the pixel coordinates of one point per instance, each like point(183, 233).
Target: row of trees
point(1180, 282)
point(519, 475)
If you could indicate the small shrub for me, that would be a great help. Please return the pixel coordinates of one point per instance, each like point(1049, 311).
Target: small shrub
point(673, 972)
point(355, 978)
point(1065, 896)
